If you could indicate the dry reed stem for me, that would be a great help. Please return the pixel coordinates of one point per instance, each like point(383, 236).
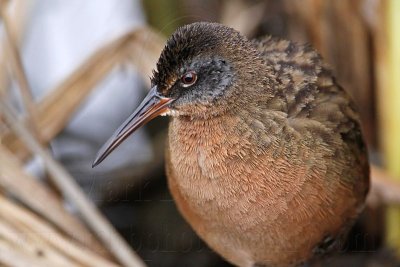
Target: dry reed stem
point(29, 243)
point(142, 46)
point(385, 190)
point(41, 199)
point(18, 17)
point(143, 51)
point(18, 71)
point(42, 229)
point(73, 193)
point(9, 256)
point(242, 16)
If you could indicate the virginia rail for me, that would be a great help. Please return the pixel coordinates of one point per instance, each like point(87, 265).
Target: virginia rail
point(265, 156)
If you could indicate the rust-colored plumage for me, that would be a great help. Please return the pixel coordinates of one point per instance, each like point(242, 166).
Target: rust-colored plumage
point(265, 155)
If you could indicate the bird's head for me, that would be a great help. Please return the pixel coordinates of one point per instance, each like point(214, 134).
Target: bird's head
point(198, 75)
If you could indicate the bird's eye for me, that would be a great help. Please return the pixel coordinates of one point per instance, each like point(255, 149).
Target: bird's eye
point(189, 78)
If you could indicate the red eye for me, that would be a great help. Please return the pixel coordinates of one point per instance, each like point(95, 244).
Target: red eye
point(189, 78)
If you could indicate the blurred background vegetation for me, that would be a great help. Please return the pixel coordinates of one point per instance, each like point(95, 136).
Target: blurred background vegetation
point(360, 39)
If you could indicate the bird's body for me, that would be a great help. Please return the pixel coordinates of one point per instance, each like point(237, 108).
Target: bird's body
point(265, 156)
point(269, 182)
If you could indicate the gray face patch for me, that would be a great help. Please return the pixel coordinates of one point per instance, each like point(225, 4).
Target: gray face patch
point(214, 76)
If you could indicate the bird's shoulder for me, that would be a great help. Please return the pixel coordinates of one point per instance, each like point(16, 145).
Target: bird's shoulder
point(308, 90)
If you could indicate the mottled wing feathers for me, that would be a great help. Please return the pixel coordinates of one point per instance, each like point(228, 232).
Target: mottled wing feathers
point(312, 93)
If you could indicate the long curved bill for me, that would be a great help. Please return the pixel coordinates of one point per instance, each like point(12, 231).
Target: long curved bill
point(153, 105)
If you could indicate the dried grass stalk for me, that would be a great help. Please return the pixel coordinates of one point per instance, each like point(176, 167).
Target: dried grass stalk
point(385, 190)
point(143, 50)
point(142, 46)
point(14, 180)
point(242, 15)
point(31, 246)
point(17, 215)
point(9, 256)
point(73, 193)
point(18, 70)
point(18, 16)
point(389, 110)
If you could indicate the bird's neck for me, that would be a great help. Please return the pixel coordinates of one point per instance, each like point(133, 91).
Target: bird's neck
point(195, 132)
point(231, 135)
point(234, 126)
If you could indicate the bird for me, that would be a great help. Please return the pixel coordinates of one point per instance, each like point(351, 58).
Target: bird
point(265, 156)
